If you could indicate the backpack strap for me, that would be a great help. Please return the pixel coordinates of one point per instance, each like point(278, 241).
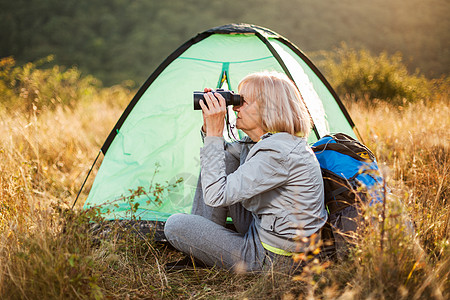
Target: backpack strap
point(336, 192)
point(332, 204)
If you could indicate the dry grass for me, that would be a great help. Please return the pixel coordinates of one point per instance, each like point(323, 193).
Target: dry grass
point(413, 143)
point(46, 250)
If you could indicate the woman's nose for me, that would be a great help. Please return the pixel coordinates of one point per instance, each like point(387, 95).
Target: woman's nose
point(236, 108)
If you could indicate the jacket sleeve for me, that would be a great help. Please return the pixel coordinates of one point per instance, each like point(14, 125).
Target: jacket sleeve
point(265, 170)
point(234, 148)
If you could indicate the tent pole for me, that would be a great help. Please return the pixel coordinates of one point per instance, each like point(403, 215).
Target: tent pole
point(147, 84)
point(285, 69)
point(322, 78)
point(89, 173)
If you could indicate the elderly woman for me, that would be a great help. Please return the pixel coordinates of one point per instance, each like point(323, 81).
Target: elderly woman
point(271, 188)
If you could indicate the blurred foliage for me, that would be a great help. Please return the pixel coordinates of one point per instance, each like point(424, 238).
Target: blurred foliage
point(28, 88)
point(116, 40)
point(357, 74)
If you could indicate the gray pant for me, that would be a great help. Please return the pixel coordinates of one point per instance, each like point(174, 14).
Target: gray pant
point(203, 235)
point(215, 245)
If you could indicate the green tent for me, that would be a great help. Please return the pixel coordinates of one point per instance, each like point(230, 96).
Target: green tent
point(160, 127)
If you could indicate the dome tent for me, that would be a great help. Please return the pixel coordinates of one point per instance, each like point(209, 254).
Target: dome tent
point(160, 127)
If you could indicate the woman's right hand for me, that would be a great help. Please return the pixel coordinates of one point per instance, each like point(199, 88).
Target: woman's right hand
point(214, 111)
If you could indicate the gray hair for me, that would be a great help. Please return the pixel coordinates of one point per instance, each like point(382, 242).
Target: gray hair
point(281, 106)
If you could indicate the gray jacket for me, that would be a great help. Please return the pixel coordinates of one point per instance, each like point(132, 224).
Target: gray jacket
point(279, 181)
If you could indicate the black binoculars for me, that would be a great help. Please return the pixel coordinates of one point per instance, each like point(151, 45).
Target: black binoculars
point(230, 98)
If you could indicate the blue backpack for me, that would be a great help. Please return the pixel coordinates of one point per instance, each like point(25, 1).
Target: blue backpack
point(351, 177)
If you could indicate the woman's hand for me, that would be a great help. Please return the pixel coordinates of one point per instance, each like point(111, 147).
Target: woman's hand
point(214, 113)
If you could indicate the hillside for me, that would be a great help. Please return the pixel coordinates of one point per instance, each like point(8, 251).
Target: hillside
point(118, 40)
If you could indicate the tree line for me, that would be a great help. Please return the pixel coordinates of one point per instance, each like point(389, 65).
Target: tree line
point(117, 40)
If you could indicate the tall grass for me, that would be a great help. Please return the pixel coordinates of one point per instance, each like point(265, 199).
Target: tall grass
point(47, 251)
point(414, 142)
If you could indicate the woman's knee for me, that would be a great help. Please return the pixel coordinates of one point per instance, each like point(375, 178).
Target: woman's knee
point(174, 224)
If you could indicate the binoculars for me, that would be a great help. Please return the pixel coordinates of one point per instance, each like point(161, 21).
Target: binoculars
point(230, 98)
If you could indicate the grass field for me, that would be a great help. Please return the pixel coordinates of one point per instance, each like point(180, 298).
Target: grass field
point(46, 251)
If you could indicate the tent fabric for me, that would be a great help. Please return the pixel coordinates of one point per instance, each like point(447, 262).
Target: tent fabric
point(160, 128)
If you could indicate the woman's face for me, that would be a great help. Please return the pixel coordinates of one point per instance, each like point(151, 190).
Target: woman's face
point(248, 115)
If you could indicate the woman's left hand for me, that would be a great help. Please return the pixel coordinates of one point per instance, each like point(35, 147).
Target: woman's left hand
point(214, 113)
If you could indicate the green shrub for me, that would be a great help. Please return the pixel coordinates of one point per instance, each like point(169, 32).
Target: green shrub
point(360, 75)
point(28, 88)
